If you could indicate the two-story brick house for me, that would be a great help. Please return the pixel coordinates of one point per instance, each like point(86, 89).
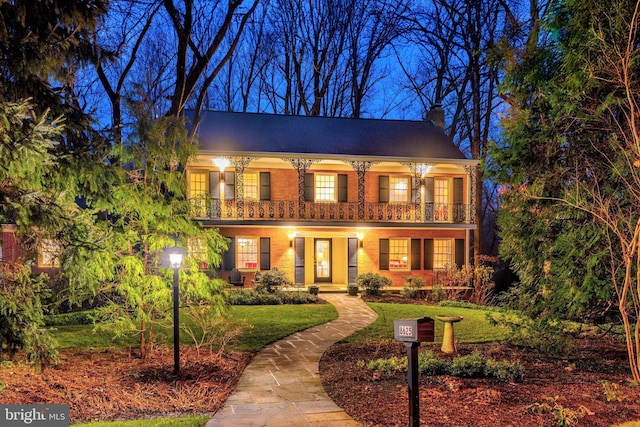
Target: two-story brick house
point(324, 199)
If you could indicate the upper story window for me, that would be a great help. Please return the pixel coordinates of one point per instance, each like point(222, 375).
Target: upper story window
point(247, 253)
point(398, 254)
point(325, 188)
point(250, 185)
point(49, 253)
point(399, 189)
point(441, 198)
point(441, 253)
point(197, 184)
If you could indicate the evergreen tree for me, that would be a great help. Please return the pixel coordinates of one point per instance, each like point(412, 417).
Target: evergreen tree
point(570, 162)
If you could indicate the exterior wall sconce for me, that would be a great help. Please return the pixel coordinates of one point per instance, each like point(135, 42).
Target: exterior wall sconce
point(291, 236)
point(360, 243)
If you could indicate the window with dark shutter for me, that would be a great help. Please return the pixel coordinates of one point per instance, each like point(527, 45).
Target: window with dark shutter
point(265, 253)
point(383, 189)
point(415, 254)
point(342, 188)
point(428, 254)
point(384, 254)
point(214, 184)
point(229, 185)
point(309, 187)
point(265, 186)
point(460, 255)
point(458, 191)
point(229, 258)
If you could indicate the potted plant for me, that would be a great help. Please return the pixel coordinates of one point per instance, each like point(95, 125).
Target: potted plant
point(314, 289)
point(352, 289)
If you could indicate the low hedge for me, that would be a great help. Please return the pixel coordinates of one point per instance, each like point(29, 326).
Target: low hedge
point(251, 297)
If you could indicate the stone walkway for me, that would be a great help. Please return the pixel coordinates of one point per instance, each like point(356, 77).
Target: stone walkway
point(281, 386)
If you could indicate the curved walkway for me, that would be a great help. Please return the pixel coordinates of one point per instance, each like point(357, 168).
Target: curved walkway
point(281, 386)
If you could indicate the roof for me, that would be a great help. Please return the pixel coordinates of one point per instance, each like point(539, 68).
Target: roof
point(228, 133)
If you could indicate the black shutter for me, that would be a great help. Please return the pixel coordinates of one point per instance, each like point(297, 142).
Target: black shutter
point(230, 255)
point(308, 187)
point(352, 267)
point(229, 185)
point(265, 253)
point(459, 252)
point(383, 189)
point(428, 190)
point(384, 254)
point(342, 187)
point(265, 185)
point(428, 254)
point(457, 190)
point(415, 254)
point(298, 260)
point(214, 184)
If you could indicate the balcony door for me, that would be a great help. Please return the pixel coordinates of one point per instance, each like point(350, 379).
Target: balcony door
point(322, 260)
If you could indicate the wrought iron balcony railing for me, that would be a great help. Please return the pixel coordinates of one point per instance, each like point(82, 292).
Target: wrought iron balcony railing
point(279, 210)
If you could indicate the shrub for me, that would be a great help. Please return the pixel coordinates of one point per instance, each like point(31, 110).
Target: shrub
point(371, 283)
point(412, 286)
point(86, 317)
point(430, 364)
point(544, 334)
point(437, 293)
point(250, 297)
point(474, 365)
point(388, 366)
point(504, 370)
point(271, 280)
point(469, 366)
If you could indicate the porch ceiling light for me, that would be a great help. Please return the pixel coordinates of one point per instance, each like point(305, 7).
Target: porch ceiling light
point(423, 169)
point(221, 163)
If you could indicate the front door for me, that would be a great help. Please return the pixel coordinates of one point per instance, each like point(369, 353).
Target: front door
point(322, 260)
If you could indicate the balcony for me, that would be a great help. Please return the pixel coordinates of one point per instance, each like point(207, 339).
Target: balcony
point(293, 210)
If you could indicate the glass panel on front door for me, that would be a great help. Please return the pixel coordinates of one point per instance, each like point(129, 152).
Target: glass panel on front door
point(323, 260)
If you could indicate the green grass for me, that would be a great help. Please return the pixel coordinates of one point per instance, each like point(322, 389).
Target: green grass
point(273, 322)
point(270, 323)
point(474, 328)
point(194, 421)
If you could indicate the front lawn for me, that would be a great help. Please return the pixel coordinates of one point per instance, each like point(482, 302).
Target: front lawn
point(474, 328)
point(269, 323)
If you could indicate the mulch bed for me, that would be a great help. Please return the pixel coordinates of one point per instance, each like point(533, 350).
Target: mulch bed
point(108, 385)
point(571, 387)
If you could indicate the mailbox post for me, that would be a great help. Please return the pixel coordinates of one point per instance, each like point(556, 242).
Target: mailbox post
point(412, 332)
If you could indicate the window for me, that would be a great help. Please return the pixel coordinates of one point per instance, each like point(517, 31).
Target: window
point(399, 189)
point(398, 254)
point(49, 253)
point(441, 199)
point(441, 253)
point(325, 188)
point(197, 191)
point(198, 251)
point(247, 253)
point(250, 185)
point(197, 184)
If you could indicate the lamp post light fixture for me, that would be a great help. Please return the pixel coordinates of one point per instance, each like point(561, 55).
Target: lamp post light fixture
point(173, 260)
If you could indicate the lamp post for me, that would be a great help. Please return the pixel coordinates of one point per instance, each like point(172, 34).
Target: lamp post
point(175, 262)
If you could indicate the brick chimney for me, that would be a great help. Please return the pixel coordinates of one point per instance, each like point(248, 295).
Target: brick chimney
point(436, 114)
